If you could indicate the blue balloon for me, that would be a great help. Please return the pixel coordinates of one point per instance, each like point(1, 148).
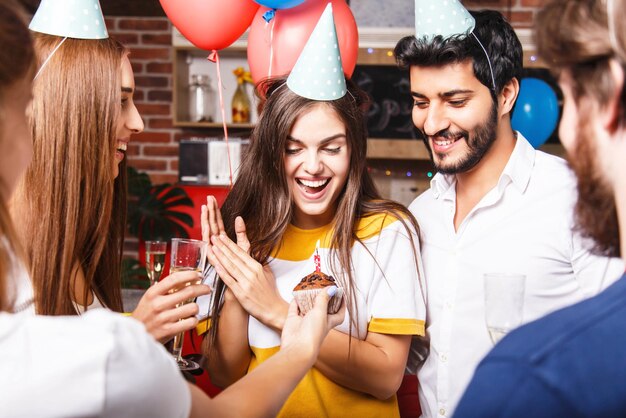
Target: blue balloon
point(536, 113)
point(279, 4)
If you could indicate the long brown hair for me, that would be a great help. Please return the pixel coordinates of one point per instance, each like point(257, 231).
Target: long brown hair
point(69, 208)
point(262, 198)
point(17, 59)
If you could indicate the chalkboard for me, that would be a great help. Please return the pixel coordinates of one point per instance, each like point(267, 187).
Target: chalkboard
point(389, 115)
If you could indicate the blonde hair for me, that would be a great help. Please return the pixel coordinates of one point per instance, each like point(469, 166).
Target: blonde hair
point(71, 209)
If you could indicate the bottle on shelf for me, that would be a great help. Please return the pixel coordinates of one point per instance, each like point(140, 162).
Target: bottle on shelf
point(241, 103)
point(201, 99)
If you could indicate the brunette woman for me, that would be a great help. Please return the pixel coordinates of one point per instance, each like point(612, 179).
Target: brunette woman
point(304, 189)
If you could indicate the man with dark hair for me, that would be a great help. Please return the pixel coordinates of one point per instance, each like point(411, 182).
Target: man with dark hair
point(571, 363)
point(496, 204)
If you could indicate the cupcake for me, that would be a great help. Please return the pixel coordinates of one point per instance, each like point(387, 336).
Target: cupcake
point(307, 290)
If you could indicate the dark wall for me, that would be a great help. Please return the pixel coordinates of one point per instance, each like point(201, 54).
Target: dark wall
point(131, 8)
point(117, 7)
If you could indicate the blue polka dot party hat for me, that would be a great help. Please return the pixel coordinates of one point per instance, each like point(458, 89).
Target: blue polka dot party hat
point(318, 73)
point(441, 17)
point(80, 19)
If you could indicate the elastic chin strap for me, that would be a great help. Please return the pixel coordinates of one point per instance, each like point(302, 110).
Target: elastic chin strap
point(610, 10)
point(493, 79)
point(49, 57)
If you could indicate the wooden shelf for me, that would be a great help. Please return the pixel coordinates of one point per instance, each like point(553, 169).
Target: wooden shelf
point(190, 59)
point(396, 149)
point(554, 149)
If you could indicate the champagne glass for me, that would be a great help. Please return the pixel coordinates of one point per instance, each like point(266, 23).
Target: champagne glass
point(155, 259)
point(187, 255)
point(504, 302)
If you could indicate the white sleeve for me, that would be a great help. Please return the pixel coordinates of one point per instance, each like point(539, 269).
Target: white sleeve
point(594, 273)
point(397, 303)
point(141, 377)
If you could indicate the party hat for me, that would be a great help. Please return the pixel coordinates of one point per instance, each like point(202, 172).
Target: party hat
point(80, 19)
point(441, 17)
point(318, 73)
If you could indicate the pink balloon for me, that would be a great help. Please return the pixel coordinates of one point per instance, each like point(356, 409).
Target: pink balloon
point(292, 29)
point(210, 24)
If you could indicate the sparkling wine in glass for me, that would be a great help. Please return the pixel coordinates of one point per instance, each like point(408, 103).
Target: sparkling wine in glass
point(187, 255)
point(504, 303)
point(155, 259)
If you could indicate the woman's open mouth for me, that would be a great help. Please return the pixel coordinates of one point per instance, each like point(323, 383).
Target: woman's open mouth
point(313, 187)
point(120, 152)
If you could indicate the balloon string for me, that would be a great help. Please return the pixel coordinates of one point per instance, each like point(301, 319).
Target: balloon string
point(269, 72)
point(216, 57)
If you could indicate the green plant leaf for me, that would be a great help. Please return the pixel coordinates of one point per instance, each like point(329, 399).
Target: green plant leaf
point(134, 275)
point(138, 183)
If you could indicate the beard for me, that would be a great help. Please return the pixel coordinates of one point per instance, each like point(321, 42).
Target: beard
point(479, 141)
point(595, 213)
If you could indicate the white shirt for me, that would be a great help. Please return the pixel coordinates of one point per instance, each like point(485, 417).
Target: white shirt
point(523, 225)
point(20, 289)
point(95, 304)
point(100, 364)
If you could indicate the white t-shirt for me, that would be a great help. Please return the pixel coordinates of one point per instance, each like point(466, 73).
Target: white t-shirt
point(100, 364)
point(388, 300)
point(20, 288)
point(523, 225)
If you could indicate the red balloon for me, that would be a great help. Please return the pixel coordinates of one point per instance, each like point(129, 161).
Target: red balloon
point(292, 29)
point(210, 24)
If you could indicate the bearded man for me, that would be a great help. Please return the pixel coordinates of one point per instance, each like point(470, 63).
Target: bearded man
point(496, 205)
point(571, 363)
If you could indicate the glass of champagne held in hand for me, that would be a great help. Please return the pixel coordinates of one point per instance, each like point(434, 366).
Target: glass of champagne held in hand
point(155, 259)
point(504, 303)
point(187, 255)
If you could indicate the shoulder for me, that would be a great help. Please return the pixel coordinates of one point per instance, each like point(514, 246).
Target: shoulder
point(100, 354)
point(424, 205)
point(132, 348)
point(570, 350)
point(566, 328)
point(108, 353)
point(511, 389)
point(553, 183)
point(552, 168)
point(373, 225)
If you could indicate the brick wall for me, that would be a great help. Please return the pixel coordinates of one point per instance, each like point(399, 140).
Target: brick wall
point(519, 12)
point(156, 149)
point(149, 39)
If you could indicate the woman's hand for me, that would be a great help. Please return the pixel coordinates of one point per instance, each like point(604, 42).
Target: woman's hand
point(305, 334)
point(252, 284)
point(158, 309)
point(213, 226)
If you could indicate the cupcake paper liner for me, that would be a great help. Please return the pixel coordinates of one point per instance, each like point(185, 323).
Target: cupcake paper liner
point(306, 299)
